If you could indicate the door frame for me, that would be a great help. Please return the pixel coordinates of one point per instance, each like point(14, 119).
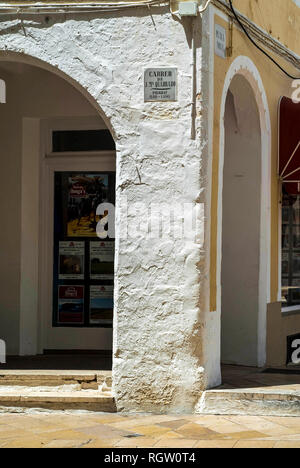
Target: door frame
point(39, 240)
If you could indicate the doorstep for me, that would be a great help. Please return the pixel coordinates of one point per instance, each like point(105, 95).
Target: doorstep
point(250, 391)
point(56, 390)
point(250, 402)
point(33, 378)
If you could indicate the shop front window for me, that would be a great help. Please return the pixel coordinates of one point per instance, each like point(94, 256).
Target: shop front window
point(290, 267)
point(83, 267)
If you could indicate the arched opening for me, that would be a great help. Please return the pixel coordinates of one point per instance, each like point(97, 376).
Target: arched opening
point(58, 165)
point(241, 226)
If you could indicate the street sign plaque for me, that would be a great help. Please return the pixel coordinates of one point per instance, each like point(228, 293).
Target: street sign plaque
point(160, 84)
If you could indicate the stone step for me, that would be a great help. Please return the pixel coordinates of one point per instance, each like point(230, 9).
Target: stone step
point(54, 378)
point(56, 390)
point(250, 402)
point(14, 399)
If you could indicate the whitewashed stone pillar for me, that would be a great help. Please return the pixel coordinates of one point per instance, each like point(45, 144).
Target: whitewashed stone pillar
point(158, 323)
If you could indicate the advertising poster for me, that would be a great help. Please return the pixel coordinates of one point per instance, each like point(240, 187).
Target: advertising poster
point(102, 260)
point(71, 260)
point(85, 193)
point(71, 304)
point(101, 304)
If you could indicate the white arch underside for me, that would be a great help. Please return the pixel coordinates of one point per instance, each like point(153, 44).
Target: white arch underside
point(244, 66)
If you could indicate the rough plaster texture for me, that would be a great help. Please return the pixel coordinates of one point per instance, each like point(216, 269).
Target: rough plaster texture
point(159, 316)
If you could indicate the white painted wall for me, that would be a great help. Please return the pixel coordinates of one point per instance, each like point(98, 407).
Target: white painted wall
point(159, 311)
point(241, 226)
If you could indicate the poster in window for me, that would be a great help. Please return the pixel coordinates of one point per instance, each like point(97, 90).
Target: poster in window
point(85, 193)
point(102, 260)
point(71, 260)
point(71, 305)
point(101, 304)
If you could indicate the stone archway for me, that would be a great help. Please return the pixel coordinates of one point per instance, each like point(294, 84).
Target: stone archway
point(28, 107)
point(243, 67)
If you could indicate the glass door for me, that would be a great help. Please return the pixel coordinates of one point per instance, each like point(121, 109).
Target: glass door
point(83, 266)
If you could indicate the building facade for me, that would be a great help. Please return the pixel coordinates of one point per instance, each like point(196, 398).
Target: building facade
point(140, 161)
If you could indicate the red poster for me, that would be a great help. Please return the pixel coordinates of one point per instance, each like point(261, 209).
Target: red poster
point(71, 304)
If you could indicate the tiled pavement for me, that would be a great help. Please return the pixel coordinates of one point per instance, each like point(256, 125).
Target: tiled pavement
point(90, 430)
point(54, 430)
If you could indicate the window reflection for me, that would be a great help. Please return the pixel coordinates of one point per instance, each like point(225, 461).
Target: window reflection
point(290, 267)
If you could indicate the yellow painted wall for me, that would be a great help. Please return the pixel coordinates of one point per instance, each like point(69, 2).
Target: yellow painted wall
point(283, 17)
point(280, 18)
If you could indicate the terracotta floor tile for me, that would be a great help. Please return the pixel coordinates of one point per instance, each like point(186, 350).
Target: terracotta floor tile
point(156, 418)
point(172, 435)
point(33, 424)
point(215, 443)
point(178, 431)
point(144, 420)
point(64, 435)
point(287, 444)
point(244, 420)
point(139, 442)
point(175, 443)
point(110, 419)
point(7, 428)
point(105, 432)
point(195, 431)
point(254, 444)
point(66, 443)
point(100, 443)
point(250, 435)
point(14, 433)
point(284, 421)
point(203, 418)
point(67, 420)
point(267, 427)
point(289, 438)
point(25, 442)
point(151, 430)
point(224, 427)
point(175, 424)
